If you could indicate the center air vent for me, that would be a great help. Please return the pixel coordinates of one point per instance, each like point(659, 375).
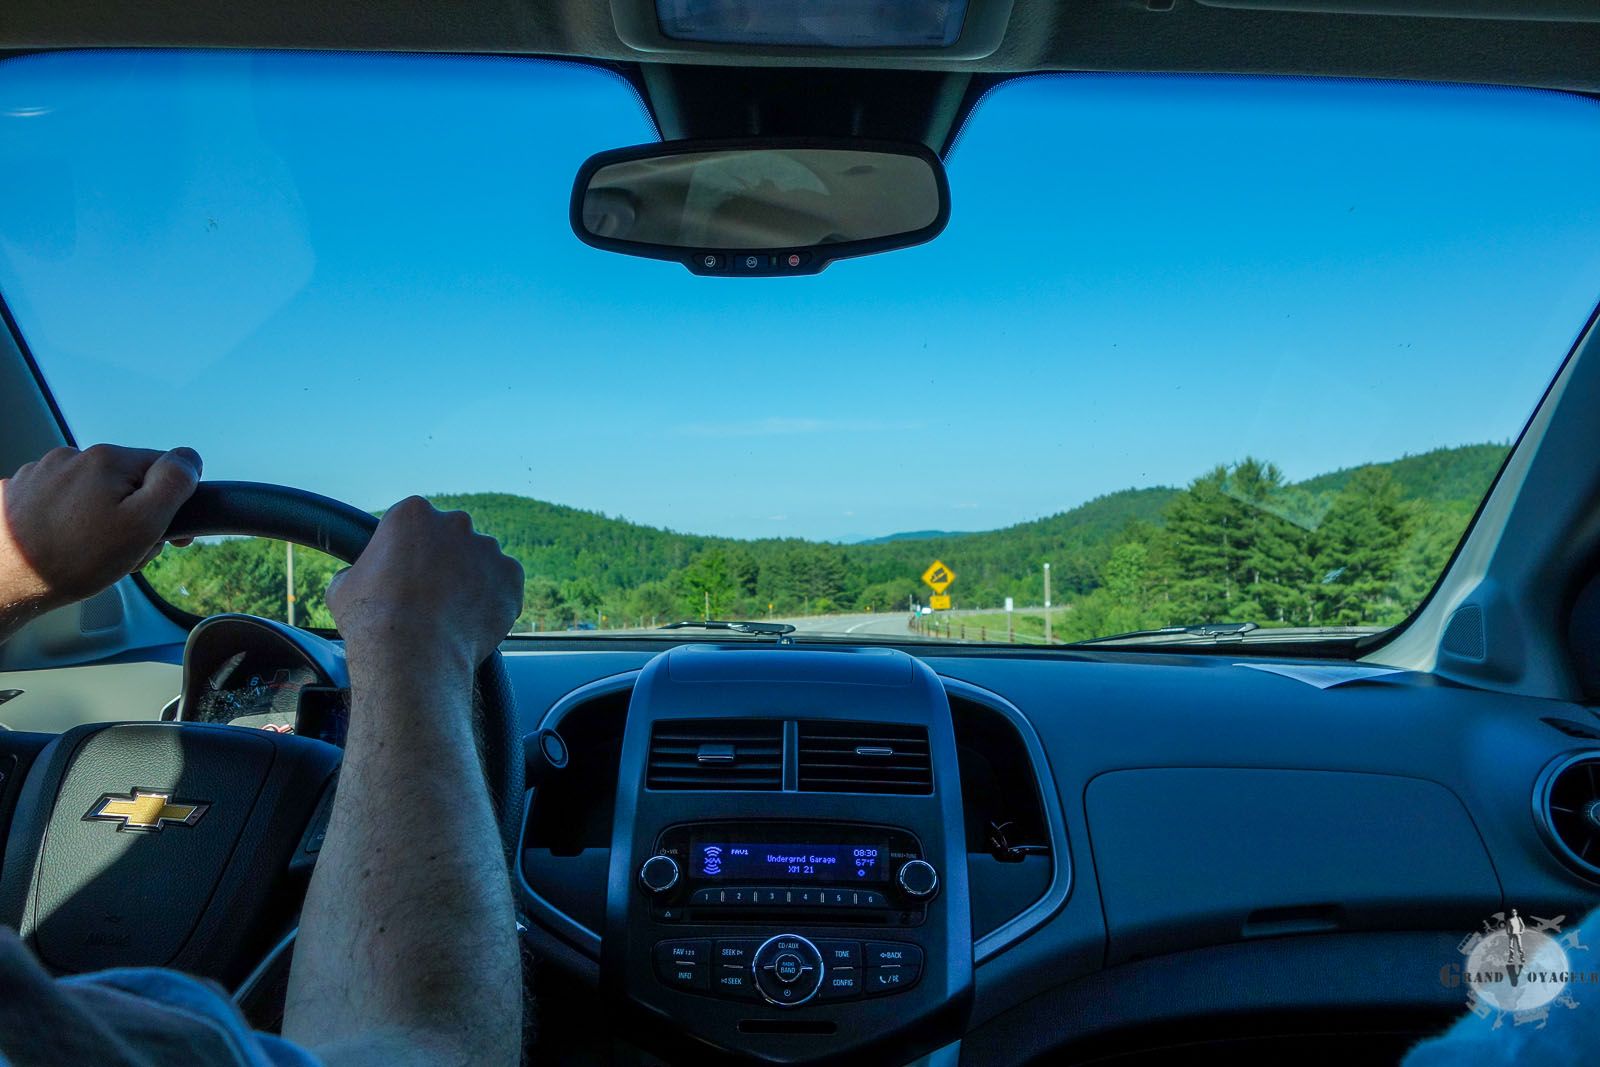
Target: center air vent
point(864, 757)
point(716, 754)
point(1567, 801)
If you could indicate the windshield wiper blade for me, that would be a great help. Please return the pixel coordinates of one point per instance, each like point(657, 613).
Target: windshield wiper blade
point(762, 629)
point(1215, 631)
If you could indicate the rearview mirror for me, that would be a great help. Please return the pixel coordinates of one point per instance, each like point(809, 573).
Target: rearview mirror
point(760, 208)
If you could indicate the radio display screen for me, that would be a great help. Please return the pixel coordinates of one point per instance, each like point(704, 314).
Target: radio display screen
point(792, 862)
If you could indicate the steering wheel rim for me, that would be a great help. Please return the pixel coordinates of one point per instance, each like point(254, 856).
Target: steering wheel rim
point(284, 513)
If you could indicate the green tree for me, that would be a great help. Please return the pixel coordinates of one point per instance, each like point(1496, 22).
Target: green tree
point(652, 602)
point(583, 598)
point(1234, 555)
point(245, 574)
point(709, 586)
point(543, 606)
point(810, 575)
point(894, 595)
point(1276, 564)
point(1203, 527)
point(1358, 551)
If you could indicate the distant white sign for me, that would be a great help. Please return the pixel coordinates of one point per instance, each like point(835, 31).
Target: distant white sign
point(1008, 603)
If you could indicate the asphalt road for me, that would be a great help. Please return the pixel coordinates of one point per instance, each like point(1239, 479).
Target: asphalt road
point(884, 625)
point(888, 624)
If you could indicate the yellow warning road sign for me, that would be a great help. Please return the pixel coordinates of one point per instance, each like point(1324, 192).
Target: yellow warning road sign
point(939, 602)
point(938, 577)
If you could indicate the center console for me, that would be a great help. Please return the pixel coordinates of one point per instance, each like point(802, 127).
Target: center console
point(787, 872)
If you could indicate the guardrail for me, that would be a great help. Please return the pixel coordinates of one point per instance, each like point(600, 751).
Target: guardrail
point(954, 627)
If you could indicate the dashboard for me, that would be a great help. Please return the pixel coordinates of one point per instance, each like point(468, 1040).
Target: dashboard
point(794, 854)
point(778, 853)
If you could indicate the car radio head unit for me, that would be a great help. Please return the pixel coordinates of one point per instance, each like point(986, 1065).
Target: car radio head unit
point(738, 870)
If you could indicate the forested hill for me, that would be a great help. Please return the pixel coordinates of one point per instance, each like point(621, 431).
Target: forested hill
point(1356, 545)
point(1443, 476)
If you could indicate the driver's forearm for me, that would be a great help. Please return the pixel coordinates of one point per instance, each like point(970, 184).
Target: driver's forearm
point(14, 617)
point(20, 603)
point(407, 942)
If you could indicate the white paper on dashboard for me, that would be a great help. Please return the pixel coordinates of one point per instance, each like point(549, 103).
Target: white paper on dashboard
point(1323, 676)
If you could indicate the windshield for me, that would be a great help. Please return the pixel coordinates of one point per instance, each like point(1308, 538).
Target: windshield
point(1191, 350)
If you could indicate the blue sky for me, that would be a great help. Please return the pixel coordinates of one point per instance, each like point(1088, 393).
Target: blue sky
point(355, 274)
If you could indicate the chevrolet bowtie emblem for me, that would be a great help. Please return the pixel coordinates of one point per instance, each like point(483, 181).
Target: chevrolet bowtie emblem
point(145, 810)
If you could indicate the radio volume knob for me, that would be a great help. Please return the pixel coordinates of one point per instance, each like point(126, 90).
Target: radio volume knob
point(658, 875)
point(917, 879)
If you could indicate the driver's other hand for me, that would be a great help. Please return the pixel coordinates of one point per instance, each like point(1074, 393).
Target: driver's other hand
point(427, 584)
point(75, 522)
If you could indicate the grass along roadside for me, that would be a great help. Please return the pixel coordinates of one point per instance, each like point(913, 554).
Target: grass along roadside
point(1027, 625)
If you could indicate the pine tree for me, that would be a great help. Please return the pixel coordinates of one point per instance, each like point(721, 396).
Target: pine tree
point(1277, 551)
point(1358, 551)
point(1203, 532)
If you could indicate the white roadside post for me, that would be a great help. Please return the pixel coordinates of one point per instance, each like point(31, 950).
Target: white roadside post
point(1047, 638)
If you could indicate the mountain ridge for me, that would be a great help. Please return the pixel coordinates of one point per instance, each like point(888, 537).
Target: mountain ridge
point(585, 564)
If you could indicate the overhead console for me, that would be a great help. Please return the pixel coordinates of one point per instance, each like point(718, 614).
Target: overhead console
point(787, 875)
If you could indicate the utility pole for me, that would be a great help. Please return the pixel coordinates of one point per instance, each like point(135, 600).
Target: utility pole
point(288, 580)
point(708, 606)
point(1047, 639)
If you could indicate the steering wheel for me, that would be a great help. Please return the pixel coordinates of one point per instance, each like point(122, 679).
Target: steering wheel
point(186, 844)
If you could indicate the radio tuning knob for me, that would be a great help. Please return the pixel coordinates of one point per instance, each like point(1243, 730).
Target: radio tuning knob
point(658, 875)
point(917, 879)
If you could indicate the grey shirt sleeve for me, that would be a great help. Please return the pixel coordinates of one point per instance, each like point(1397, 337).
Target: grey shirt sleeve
point(132, 1017)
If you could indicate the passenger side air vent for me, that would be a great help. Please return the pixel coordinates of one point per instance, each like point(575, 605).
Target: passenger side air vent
point(864, 757)
point(716, 754)
point(1567, 800)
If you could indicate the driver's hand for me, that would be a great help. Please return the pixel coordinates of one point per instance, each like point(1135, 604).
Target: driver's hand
point(427, 586)
point(75, 522)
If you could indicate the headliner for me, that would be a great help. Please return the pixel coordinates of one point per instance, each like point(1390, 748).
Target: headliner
point(1548, 43)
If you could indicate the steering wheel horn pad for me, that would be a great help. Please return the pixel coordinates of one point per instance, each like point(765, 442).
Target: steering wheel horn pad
point(160, 844)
